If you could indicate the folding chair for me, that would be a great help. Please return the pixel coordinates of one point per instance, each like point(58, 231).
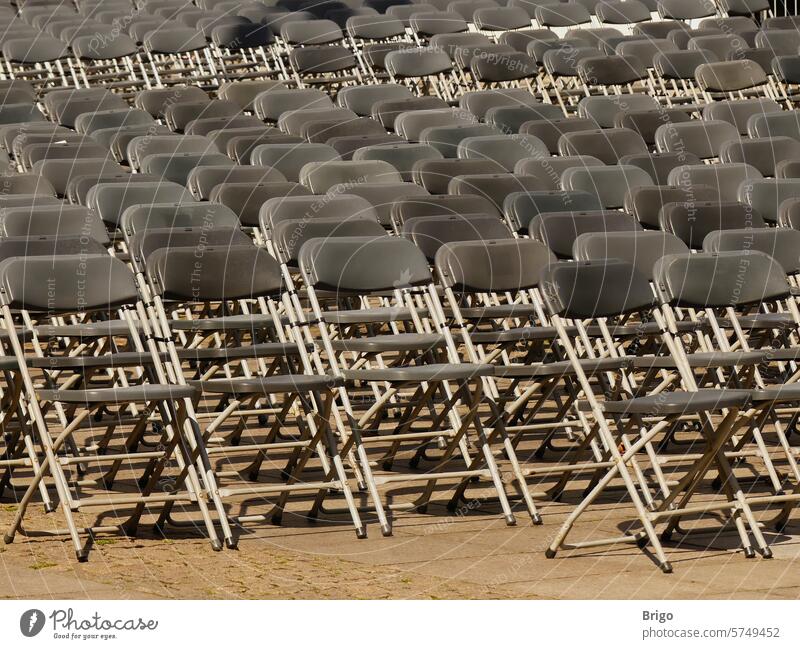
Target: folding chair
point(739, 112)
point(246, 199)
point(424, 70)
point(401, 371)
point(703, 138)
point(289, 159)
point(548, 171)
point(675, 74)
point(691, 223)
point(765, 154)
point(402, 156)
point(83, 396)
point(732, 79)
point(246, 52)
point(40, 60)
point(365, 30)
point(494, 187)
point(520, 208)
point(610, 183)
point(659, 165)
point(774, 124)
point(435, 174)
point(765, 195)
point(607, 145)
point(174, 54)
point(113, 62)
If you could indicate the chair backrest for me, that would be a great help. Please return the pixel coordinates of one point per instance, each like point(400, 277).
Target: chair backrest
point(550, 131)
point(718, 280)
point(607, 145)
point(492, 266)
point(691, 222)
point(522, 207)
point(609, 183)
point(321, 176)
point(154, 216)
point(779, 243)
point(605, 109)
point(595, 289)
point(642, 249)
point(52, 220)
point(725, 178)
point(110, 200)
point(443, 205)
point(432, 232)
point(289, 159)
point(363, 265)
point(704, 138)
point(785, 122)
point(730, 76)
point(682, 64)
point(762, 153)
point(559, 230)
point(765, 195)
point(659, 165)
point(222, 273)
point(66, 283)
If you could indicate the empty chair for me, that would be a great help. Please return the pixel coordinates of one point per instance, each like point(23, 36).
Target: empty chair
point(402, 156)
point(692, 222)
point(645, 202)
point(435, 175)
point(739, 111)
point(495, 187)
point(509, 119)
point(246, 199)
point(520, 208)
point(361, 99)
point(270, 105)
point(560, 230)
point(609, 183)
point(289, 159)
point(141, 146)
point(647, 122)
point(548, 171)
point(110, 200)
point(607, 145)
point(550, 131)
point(381, 196)
point(729, 76)
point(295, 208)
point(604, 110)
point(762, 153)
point(775, 124)
point(703, 138)
point(446, 139)
point(202, 180)
point(431, 233)
point(479, 102)
point(659, 165)
point(60, 172)
point(725, 178)
point(505, 150)
point(411, 124)
point(765, 195)
point(641, 248)
point(779, 243)
point(321, 176)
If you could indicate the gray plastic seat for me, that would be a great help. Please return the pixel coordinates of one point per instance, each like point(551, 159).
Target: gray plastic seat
point(548, 171)
point(559, 230)
point(691, 222)
point(684, 10)
point(141, 146)
point(431, 233)
point(156, 100)
point(176, 167)
point(779, 41)
point(293, 208)
point(435, 175)
point(779, 243)
point(270, 105)
point(171, 216)
point(659, 165)
point(446, 139)
point(765, 195)
point(293, 122)
point(387, 111)
point(550, 131)
point(569, 15)
point(730, 76)
point(52, 220)
point(60, 172)
point(321, 176)
point(411, 124)
point(494, 187)
point(723, 45)
point(704, 138)
point(289, 159)
point(762, 153)
point(419, 62)
point(360, 99)
point(414, 207)
point(740, 111)
point(640, 248)
point(109, 200)
point(681, 64)
point(505, 150)
point(604, 110)
point(522, 207)
point(615, 12)
point(381, 195)
point(479, 102)
point(646, 122)
point(607, 145)
point(178, 115)
point(645, 203)
point(246, 199)
point(785, 122)
point(438, 22)
point(610, 183)
point(725, 178)
point(509, 119)
point(202, 179)
point(402, 156)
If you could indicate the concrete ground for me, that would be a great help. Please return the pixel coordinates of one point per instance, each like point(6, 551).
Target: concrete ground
point(433, 556)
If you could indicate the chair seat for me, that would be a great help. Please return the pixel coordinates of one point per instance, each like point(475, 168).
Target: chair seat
point(389, 343)
point(788, 392)
point(764, 321)
point(115, 359)
point(703, 360)
point(363, 316)
point(132, 394)
point(417, 373)
point(514, 335)
point(225, 323)
point(677, 403)
point(561, 368)
point(268, 384)
point(259, 350)
point(101, 329)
